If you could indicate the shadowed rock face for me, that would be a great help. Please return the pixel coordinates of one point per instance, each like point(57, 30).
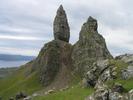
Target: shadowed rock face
point(90, 47)
point(61, 27)
point(52, 57)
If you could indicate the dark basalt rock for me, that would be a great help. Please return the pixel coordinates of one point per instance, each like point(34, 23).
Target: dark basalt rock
point(61, 27)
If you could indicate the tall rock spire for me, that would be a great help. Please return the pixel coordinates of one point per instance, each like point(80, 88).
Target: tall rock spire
point(90, 47)
point(61, 27)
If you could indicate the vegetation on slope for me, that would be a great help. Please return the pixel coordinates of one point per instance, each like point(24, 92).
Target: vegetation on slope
point(126, 83)
point(19, 81)
point(6, 71)
point(75, 93)
point(119, 65)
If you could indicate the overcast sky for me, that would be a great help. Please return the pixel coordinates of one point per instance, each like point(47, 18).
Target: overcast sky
point(26, 25)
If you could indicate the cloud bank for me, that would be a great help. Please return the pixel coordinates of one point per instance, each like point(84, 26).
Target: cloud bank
point(26, 25)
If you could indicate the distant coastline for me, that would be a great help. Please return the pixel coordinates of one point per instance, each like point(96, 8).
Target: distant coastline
point(8, 60)
point(9, 57)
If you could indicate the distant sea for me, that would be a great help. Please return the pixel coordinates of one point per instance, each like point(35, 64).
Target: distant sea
point(4, 64)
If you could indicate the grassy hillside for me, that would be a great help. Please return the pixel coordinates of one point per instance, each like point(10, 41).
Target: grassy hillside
point(6, 71)
point(21, 81)
point(75, 93)
point(17, 82)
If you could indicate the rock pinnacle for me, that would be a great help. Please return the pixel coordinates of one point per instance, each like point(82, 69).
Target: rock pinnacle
point(61, 27)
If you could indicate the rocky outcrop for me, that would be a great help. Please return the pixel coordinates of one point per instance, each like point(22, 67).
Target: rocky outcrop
point(127, 58)
point(106, 75)
point(96, 70)
point(61, 27)
point(90, 47)
point(128, 72)
point(20, 95)
point(52, 57)
point(104, 93)
point(101, 70)
point(101, 93)
point(58, 53)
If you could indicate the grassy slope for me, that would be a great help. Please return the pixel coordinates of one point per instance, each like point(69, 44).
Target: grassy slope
point(120, 65)
point(29, 84)
point(6, 71)
point(19, 82)
point(75, 93)
point(79, 93)
point(127, 84)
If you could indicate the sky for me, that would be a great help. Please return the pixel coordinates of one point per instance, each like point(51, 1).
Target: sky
point(26, 25)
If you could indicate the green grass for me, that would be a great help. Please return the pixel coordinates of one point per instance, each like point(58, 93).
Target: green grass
point(127, 84)
point(75, 93)
point(120, 65)
point(21, 81)
point(17, 82)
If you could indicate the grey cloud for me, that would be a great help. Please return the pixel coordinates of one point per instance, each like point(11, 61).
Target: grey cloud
point(34, 18)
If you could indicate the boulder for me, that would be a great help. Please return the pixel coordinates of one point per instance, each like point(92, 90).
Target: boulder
point(50, 91)
point(91, 77)
point(115, 96)
point(20, 95)
point(11, 98)
point(118, 88)
point(61, 27)
point(35, 94)
point(130, 94)
point(99, 70)
point(28, 98)
point(128, 72)
point(101, 93)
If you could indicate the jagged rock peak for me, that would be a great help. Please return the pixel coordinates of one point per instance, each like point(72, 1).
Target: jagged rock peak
point(60, 9)
point(92, 23)
point(61, 27)
point(90, 47)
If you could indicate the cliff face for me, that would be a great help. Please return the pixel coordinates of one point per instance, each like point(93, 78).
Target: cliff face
point(54, 56)
point(90, 47)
